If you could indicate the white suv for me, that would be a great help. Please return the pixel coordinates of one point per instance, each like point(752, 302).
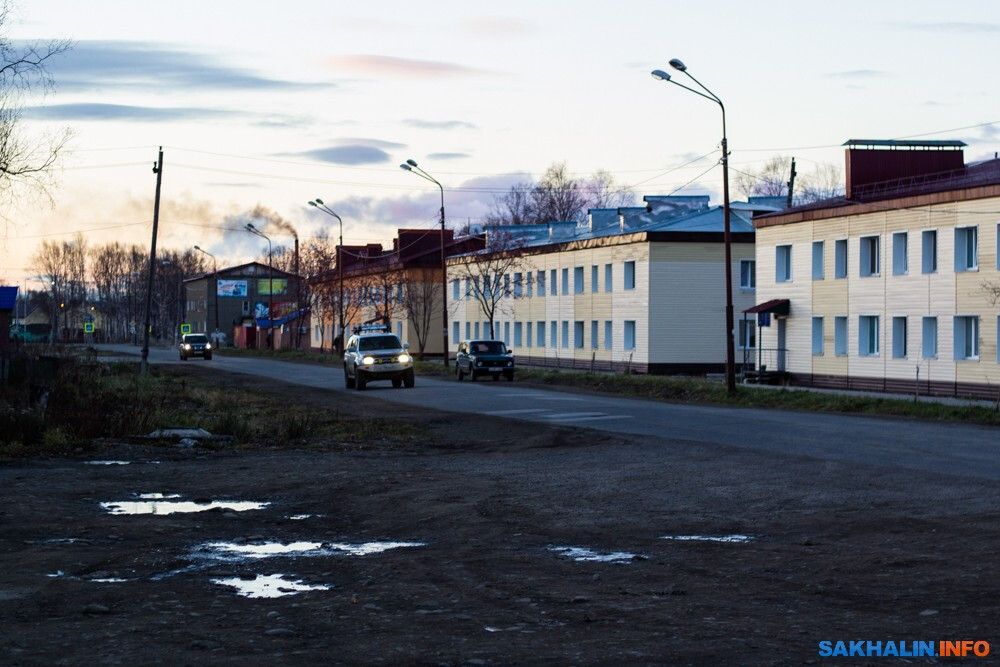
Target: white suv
point(375, 354)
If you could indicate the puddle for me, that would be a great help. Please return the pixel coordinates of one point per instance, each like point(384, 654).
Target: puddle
point(233, 551)
point(158, 496)
point(490, 628)
point(270, 586)
point(107, 463)
point(582, 555)
point(736, 539)
point(173, 507)
point(109, 580)
point(300, 517)
point(57, 573)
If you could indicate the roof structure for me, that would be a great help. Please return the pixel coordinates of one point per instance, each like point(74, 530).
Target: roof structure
point(244, 270)
point(905, 143)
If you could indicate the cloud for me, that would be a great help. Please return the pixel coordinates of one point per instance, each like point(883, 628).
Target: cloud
point(447, 156)
point(495, 27)
point(858, 74)
point(349, 155)
point(123, 112)
point(367, 141)
point(376, 65)
point(959, 27)
point(438, 124)
point(103, 64)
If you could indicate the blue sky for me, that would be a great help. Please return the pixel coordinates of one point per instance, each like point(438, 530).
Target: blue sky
point(257, 104)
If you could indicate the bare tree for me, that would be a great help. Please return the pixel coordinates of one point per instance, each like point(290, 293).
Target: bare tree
point(422, 294)
point(826, 181)
point(558, 197)
point(51, 268)
point(486, 271)
point(770, 180)
point(604, 192)
point(25, 159)
point(514, 207)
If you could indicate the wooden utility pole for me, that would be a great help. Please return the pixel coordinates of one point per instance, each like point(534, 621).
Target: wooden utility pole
point(158, 170)
point(791, 185)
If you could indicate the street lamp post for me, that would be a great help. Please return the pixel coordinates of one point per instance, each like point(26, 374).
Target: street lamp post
point(727, 240)
point(318, 203)
point(270, 287)
point(411, 166)
point(215, 272)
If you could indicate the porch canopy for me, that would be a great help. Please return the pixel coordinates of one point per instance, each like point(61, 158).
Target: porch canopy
point(773, 307)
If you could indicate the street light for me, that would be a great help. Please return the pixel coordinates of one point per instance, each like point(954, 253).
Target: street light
point(411, 166)
point(660, 75)
point(318, 203)
point(270, 287)
point(215, 272)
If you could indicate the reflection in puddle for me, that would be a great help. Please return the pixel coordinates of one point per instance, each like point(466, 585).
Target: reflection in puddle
point(739, 539)
point(300, 517)
point(158, 496)
point(269, 586)
point(581, 554)
point(109, 580)
point(172, 507)
point(107, 463)
point(232, 551)
point(57, 573)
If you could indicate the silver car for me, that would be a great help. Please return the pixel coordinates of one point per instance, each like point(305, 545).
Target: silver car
point(377, 355)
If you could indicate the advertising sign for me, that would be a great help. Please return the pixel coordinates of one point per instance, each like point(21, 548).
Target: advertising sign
point(281, 309)
point(280, 286)
point(236, 288)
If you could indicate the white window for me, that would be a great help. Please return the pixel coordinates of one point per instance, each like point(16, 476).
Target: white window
point(783, 263)
point(527, 342)
point(747, 335)
point(817, 260)
point(565, 333)
point(869, 264)
point(565, 281)
point(578, 334)
point(455, 290)
point(929, 346)
point(900, 265)
point(554, 333)
point(928, 240)
point(593, 278)
point(517, 334)
point(607, 277)
point(817, 335)
point(629, 334)
point(593, 334)
point(966, 337)
point(541, 333)
point(553, 283)
point(629, 275)
point(840, 258)
point(868, 335)
point(577, 280)
point(840, 336)
point(748, 274)
point(607, 334)
point(967, 249)
point(899, 337)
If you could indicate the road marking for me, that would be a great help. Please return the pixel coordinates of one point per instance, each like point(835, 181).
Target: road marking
point(516, 412)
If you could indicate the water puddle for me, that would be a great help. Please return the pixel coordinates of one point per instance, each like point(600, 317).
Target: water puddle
point(158, 496)
point(109, 580)
point(269, 586)
point(174, 507)
point(584, 555)
point(300, 517)
point(230, 551)
point(733, 539)
point(107, 463)
point(57, 573)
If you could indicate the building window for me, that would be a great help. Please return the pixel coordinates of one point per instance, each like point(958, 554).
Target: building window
point(869, 264)
point(468, 287)
point(518, 286)
point(899, 337)
point(817, 260)
point(747, 335)
point(565, 334)
point(455, 290)
point(840, 258)
point(578, 334)
point(456, 332)
point(578, 280)
point(506, 333)
point(928, 240)
point(607, 334)
point(783, 263)
point(967, 249)
point(593, 278)
point(477, 330)
point(840, 336)
point(748, 274)
point(506, 285)
point(553, 283)
point(541, 334)
point(468, 333)
point(868, 335)
point(565, 281)
point(966, 337)
point(529, 285)
point(629, 275)
point(593, 334)
point(517, 335)
point(929, 338)
point(817, 326)
point(527, 342)
point(607, 277)
point(554, 333)
point(900, 265)
point(629, 334)
point(541, 283)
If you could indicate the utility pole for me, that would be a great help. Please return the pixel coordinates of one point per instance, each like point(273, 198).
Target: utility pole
point(158, 170)
point(791, 185)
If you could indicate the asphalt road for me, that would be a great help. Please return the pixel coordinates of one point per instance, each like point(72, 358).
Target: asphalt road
point(947, 449)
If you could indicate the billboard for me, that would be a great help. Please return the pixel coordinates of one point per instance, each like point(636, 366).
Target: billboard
point(281, 309)
point(237, 288)
point(280, 286)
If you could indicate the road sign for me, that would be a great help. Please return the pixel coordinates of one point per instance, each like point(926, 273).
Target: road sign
point(185, 328)
point(88, 327)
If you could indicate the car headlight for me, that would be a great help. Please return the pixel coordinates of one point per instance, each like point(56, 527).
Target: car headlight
point(404, 358)
point(208, 346)
point(510, 363)
point(187, 346)
point(368, 361)
point(479, 363)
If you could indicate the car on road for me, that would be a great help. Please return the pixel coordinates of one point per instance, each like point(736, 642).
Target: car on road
point(375, 354)
point(476, 358)
point(195, 345)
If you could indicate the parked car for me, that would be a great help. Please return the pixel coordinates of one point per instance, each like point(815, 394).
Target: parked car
point(195, 345)
point(373, 353)
point(484, 357)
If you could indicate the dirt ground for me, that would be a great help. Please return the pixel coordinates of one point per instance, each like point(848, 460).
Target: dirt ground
point(838, 551)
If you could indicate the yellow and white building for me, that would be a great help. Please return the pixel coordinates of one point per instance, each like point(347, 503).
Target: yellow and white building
point(892, 287)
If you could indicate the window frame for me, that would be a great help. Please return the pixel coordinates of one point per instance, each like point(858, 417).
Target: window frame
point(783, 263)
point(751, 273)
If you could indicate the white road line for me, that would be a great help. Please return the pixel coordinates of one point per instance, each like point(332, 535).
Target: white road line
point(516, 412)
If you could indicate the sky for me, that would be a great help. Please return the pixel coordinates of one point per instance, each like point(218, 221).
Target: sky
point(257, 104)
